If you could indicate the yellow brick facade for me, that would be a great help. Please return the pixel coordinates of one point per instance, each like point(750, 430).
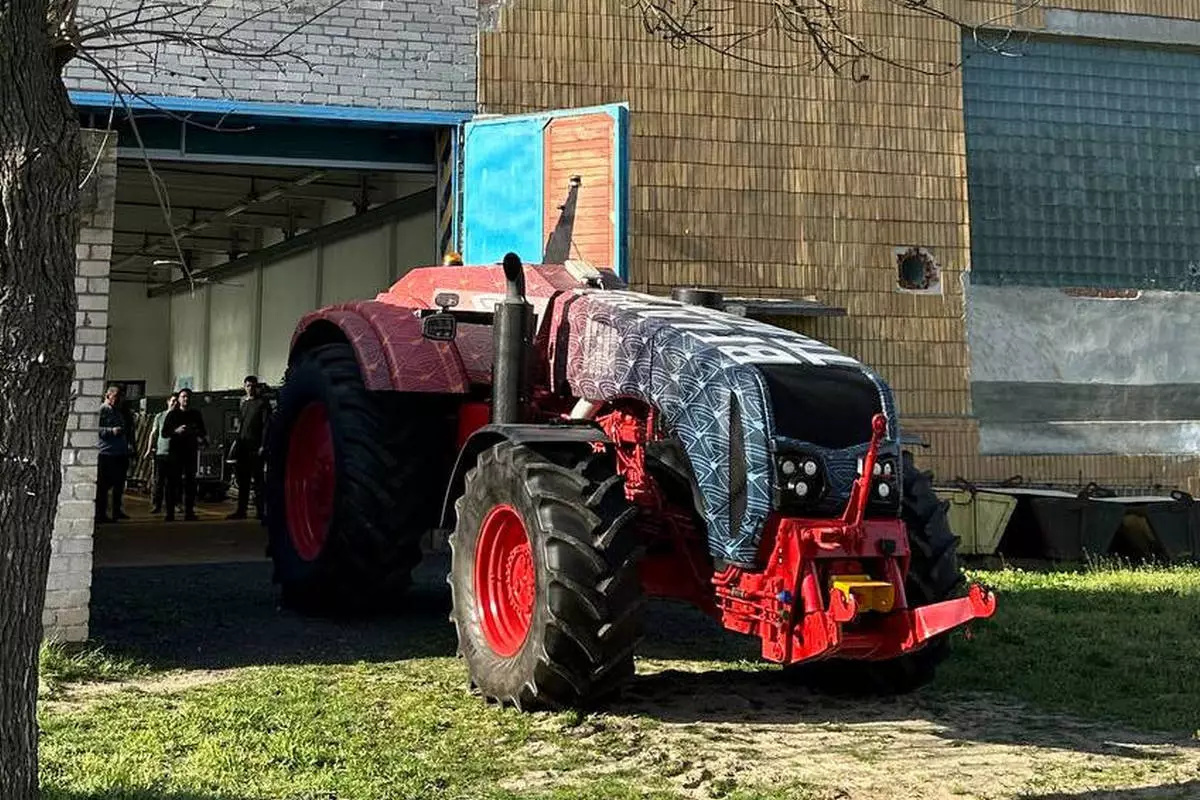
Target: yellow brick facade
point(800, 183)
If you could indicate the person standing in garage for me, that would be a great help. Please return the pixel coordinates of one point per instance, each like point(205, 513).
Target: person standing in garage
point(158, 448)
point(251, 441)
point(185, 428)
point(113, 462)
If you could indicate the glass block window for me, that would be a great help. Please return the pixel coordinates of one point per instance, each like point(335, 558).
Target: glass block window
point(1083, 165)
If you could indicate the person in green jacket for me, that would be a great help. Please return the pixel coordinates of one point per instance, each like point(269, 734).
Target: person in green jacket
point(158, 448)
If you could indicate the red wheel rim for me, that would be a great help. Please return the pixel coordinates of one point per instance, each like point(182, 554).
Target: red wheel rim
point(504, 580)
point(309, 481)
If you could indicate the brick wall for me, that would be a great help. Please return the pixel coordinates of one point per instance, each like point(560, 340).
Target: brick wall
point(413, 54)
point(68, 588)
point(796, 182)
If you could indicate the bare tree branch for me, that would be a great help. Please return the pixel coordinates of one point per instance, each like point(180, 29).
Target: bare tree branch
point(142, 32)
point(816, 33)
point(160, 189)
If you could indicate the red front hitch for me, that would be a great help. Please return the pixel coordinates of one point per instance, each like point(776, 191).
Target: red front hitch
point(807, 604)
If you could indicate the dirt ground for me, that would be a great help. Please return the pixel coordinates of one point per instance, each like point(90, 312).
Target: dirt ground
point(718, 732)
point(694, 715)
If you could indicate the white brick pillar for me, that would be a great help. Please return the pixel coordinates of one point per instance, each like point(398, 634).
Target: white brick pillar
point(68, 588)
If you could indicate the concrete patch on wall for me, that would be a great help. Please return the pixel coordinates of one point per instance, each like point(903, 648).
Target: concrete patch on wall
point(489, 14)
point(230, 332)
point(1054, 372)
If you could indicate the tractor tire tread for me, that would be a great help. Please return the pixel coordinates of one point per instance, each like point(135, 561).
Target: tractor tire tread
point(374, 540)
point(591, 625)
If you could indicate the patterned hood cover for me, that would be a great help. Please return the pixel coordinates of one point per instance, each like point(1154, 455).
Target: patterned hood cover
point(700, 368)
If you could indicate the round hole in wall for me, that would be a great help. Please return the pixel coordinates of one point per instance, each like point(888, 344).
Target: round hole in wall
point(915, 269)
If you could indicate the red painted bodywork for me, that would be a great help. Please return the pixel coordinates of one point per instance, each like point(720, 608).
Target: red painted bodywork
point(391, 352)
point(504, 580)
point(386, 333)
point(788, 603)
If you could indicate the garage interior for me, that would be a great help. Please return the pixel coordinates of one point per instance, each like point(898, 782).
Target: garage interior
point(262, 245)
point(221, 242)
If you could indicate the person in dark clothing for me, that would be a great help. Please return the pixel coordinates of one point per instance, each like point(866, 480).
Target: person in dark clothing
point(113, 462)
point(185, 428)
point(248, 452)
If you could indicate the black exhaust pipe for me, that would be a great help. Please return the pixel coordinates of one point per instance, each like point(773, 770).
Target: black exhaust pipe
point(512, 332)
point(695, 296)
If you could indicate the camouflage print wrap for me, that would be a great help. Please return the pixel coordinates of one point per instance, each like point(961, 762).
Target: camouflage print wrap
point(700, 368)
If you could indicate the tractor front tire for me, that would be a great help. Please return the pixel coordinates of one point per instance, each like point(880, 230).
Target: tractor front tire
point(933, 576)
point(348, 494)
point(547, 601)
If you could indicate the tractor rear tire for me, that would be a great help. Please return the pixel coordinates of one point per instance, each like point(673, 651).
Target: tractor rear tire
point(348, 495)
point(547, 601)
point(933, 576)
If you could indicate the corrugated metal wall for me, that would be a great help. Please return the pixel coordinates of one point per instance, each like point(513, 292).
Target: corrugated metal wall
point(1083, 165)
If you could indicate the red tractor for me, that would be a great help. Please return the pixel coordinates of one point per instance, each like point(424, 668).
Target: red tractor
point(588, 447)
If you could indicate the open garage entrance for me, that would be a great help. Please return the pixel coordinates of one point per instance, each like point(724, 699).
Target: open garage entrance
point(228, 227)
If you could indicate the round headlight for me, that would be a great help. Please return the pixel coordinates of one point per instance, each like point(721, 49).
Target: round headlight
point(887, 468)
point(884, 490)
point(801, 489)
point(810, 468)
point(788, 467)
point(877, 470)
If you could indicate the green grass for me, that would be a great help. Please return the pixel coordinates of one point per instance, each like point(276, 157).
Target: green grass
point(1101, 643)
point(61, 664)
point(1105, 642)
point(364, 731)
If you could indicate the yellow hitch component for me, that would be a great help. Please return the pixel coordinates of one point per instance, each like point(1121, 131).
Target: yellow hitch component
point(871, 595)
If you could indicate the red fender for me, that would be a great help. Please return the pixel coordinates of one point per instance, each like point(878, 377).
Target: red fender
point(392, 354)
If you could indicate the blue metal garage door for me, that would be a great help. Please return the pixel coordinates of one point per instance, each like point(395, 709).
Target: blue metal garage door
point(1083, 165)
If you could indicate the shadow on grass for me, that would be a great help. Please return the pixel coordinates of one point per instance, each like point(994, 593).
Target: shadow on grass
point(1179, 791)
point(1060, 668)
point(132, 794)
point(1112, 660)
point(216, 616)
point(769, 699)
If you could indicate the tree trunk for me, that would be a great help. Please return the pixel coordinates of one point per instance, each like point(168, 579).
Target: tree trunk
point(39, 221)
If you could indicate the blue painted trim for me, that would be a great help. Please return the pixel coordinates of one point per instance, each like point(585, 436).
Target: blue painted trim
point(456, 139)
point(612, 109)
point(621, 189)
point(195, 105)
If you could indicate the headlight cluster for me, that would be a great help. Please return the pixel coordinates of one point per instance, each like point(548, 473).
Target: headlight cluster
point(801, 478)
point(885, 488)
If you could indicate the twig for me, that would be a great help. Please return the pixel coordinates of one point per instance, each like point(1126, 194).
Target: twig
point(160, 193)
point(108, 130)
point(819, 26)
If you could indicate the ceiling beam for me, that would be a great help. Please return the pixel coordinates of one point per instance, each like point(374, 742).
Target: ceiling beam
point(342, 229)
point(272, 194)
point(247, 218)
